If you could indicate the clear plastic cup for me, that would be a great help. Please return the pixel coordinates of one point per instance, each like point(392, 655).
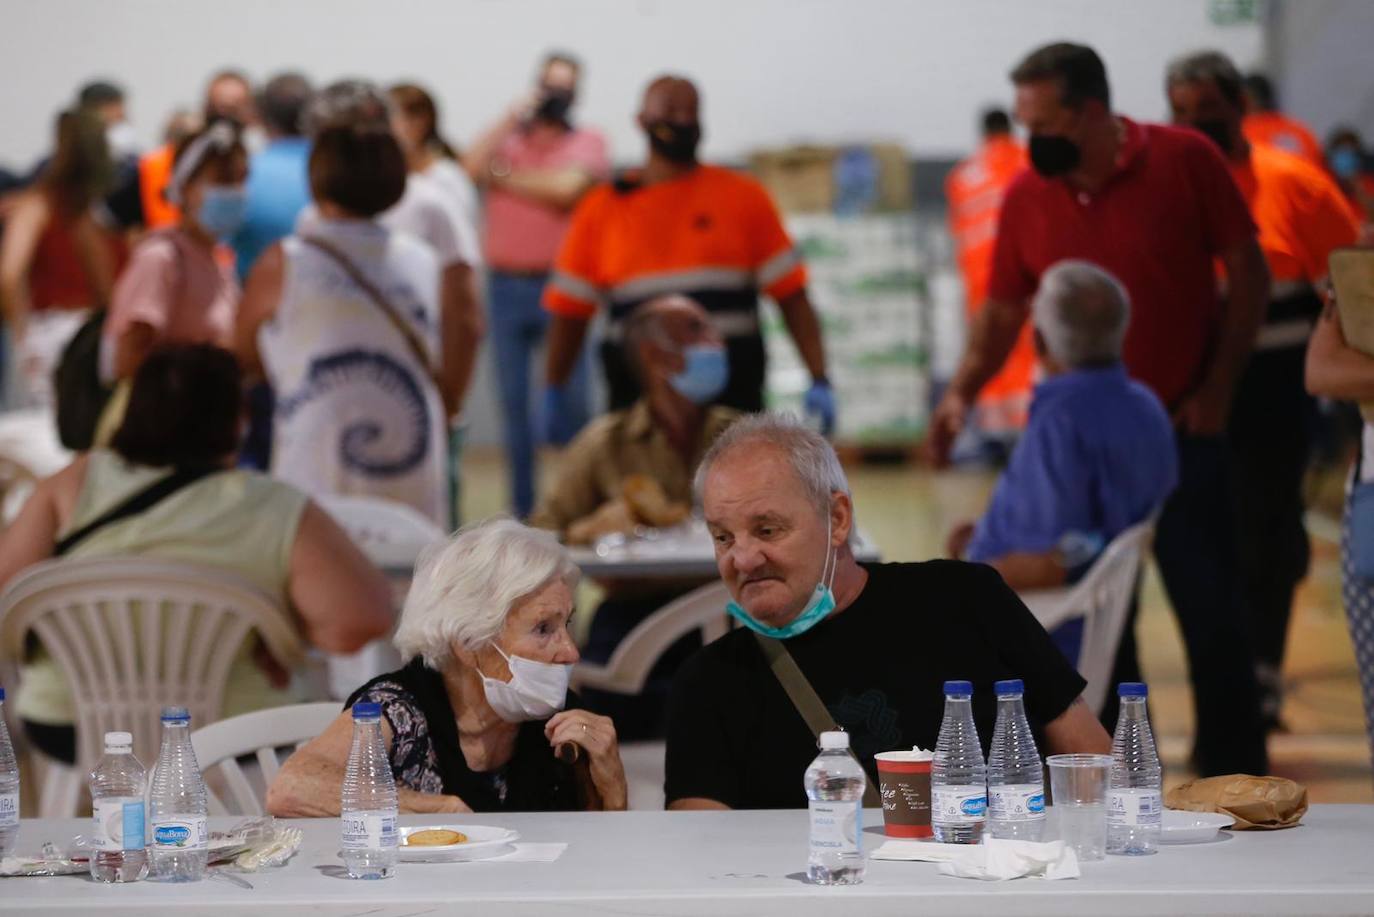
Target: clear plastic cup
point(1078, 784)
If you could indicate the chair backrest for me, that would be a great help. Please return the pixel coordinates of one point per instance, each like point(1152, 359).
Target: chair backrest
point(29, 452)
point(1103, 596)
point(391, 534)
point(132, 634)
point(702, 609)
point(260, 733)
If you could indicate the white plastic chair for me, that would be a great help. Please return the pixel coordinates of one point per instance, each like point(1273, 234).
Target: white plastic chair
point(131, 635)
point(260, 734)
point(1103, 597)
point(392, 535)
point(29, 452)
point(702, 609)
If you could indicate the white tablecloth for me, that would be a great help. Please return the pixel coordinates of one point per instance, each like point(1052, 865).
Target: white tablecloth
point(727, 863)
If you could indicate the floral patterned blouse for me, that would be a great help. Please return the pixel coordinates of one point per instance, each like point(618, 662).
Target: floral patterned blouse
point(426, 757)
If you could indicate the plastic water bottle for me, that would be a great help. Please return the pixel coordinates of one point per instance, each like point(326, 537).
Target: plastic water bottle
point(1134, 804)
point(117, 786)
point(369, 800)
point(1016, 776)
point(9, 787)
point(835, 784)
point(958, 777)
point(177, 805)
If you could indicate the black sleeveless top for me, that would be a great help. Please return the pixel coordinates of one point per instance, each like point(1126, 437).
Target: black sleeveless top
point(426, 757)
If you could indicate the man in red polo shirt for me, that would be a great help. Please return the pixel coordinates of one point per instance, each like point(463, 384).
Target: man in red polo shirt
point(1302, 216)
point(1157, 207)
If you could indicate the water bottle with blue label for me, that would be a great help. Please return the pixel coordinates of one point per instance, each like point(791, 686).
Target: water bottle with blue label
point(369, 804)
point(177, 805)
point(9, 787)
point(835, 784)
point(958, 774)
point(1016, 777)
point(117, 815)
point(1135, 808)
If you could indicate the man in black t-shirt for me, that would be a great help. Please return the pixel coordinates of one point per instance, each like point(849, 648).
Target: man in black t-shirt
point(876, 641)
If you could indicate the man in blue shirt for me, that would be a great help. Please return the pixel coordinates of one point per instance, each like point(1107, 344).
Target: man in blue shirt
point(1098, 454)
point(278, 190)
point(278, 179)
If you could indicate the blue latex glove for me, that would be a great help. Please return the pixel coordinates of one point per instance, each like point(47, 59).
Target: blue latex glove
point(820, 405)
point(557, 425)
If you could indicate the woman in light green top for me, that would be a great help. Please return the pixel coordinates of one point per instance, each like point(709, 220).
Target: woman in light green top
point(185, 415)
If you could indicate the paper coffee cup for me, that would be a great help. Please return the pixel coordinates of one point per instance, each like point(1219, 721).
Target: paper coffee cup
point(904, 781)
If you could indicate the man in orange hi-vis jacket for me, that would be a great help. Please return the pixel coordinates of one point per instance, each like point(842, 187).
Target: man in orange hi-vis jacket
point(686, 227)
point(974, 191)
point(1265, 124)
point(1302, 215)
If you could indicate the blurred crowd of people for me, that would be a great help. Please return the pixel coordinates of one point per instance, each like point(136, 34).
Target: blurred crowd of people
point(286, 300)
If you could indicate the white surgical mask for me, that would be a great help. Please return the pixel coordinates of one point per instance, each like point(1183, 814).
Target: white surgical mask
point(536, 690)
point(122, 140)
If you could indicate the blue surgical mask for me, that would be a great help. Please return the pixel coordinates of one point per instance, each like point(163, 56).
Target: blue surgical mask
point(704, 376)
point(222, 209)
point(1345, 162)
point(818, 608)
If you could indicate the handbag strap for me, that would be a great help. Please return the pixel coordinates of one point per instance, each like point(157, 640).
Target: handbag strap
point(417, 347)
point(142, 500)
point(805, 699)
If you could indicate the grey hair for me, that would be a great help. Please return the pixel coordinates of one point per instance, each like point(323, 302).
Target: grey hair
point(1082, 312)
point(812, 458)
point(465, 587)
point(1208, 67)
point(348, 102)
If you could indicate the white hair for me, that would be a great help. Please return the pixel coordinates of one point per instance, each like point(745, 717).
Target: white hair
point(812, 458)
point(1081, 312)
point(464, 588)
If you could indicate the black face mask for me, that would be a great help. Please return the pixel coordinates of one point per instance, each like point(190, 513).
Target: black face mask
point(675, 142)
point(554, 105)
point(1053, 155)
point(1217, 131)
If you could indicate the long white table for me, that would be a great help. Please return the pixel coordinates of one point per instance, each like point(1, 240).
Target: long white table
point(728, 863)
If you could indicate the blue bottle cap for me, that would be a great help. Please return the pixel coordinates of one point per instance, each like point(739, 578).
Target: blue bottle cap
point(2, 692)
point(1010, 686)
point(175, 715)
point(1132, 689)
point(962, 688)
point(366, 710)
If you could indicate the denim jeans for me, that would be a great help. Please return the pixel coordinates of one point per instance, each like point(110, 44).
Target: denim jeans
point(518, 323)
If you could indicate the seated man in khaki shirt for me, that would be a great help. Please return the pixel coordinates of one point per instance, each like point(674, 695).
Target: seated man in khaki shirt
point(680, 359)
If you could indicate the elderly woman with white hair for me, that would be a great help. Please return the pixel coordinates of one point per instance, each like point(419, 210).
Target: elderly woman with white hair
point(473, 720)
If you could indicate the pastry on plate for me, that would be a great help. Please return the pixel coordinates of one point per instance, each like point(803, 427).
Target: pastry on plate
point(435, 837)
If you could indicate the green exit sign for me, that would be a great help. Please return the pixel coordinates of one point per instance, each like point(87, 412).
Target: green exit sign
point(1235, 12)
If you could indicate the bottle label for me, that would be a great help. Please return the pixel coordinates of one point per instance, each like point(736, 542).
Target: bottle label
point(835, 827)
point(117, 823)
point(958, 805)
point(180, 832)
point(1016, 802)
point(9, 810)
point(1134, 807)
point(374, 830)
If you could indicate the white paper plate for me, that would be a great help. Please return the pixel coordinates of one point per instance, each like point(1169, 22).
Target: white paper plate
point(483, 842)
point(1192, 827)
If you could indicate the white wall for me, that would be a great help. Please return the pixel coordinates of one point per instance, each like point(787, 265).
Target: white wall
point(1321, 51)
point(772, 71)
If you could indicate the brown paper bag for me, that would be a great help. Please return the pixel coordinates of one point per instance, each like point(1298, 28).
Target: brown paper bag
point(1254, 802)
point(1352, 275)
